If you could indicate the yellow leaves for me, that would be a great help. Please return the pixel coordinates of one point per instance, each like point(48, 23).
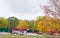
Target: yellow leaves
point(3, 22)
point(39, 26)
point(42, 28)
point(44, 25)
point(22, 24)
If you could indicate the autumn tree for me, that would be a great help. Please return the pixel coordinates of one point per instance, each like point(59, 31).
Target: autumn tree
point(22, 24)
point(38, 23)
point(56, 24)
point(53, 8)
point(3, 23)
point(46, 23)
point(39, 18)
point(43, 24)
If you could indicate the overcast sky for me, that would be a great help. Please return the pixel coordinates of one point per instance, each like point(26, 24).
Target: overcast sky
point(22, 9)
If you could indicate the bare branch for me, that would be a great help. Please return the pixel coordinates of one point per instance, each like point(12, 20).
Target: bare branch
point(55, 5)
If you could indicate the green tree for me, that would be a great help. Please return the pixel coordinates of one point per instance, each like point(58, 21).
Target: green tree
point(13, 21)
point(35, 25)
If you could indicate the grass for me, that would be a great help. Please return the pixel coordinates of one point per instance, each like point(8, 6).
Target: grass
point(22, 36)
point(17, 36)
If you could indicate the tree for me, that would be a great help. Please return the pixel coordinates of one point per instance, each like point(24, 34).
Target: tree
point(44, 24)
point(56, 24)
point(3, 23)
point(13, 21)
point(39, 18)
point(53, 8)
point(22, 24)
point(42, 27)
point(35, 25)
point(31, 24)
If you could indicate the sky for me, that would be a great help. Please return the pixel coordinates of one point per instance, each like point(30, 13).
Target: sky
point(22, 9)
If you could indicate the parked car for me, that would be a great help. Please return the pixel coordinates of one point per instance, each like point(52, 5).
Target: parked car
point(29, 30)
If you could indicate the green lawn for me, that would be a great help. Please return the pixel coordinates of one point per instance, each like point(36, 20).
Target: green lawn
point(22, 36)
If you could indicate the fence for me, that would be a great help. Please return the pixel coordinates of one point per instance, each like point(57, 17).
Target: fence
point(4, 29)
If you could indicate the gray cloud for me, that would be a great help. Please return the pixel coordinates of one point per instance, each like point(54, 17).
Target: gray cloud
point(24, 9)
point(24, 6)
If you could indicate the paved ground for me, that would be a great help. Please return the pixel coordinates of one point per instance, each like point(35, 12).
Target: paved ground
point(24, 36)
point(17, 36)
point(33, 34)
point(5, 34)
